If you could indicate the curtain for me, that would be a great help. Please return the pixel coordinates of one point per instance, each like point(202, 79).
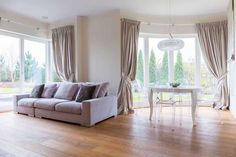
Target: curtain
point(213, 38)
point(63, 49)
point(129, 47)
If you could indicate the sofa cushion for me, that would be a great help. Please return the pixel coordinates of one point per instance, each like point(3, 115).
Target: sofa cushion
point(48, 104)
point(49, 90)
point(37, 91)
point(69, 107)
point(66, 91)
point(101, 90)
point(85, 93)
point(27, 102)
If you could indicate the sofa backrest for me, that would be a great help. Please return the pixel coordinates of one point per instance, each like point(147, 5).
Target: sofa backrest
point(68, 90)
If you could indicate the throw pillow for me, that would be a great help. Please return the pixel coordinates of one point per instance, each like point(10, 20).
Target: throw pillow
point(85, 93)
point(49, 90)
point(96, 91)
point(103, 90)
point(37, 91)
point(66, 91)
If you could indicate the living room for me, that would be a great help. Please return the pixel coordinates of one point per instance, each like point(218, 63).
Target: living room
point(156, 77)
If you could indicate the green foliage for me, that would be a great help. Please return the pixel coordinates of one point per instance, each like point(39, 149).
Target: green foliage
point(43, 73)
point(17, 71)
point(179, 72)
point(140, 68)
point(55, 77)
point(30, 66)
point(3, 70)
point(164, 69)
point(152, 68)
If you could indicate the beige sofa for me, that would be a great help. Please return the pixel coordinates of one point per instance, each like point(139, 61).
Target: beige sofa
point(86, 113)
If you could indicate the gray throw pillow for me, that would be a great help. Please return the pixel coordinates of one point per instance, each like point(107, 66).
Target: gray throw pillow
point(85, 93)
point(66, 91)
point(37, 91)
point(49, 90)
point(103, 90)
point(95, 93)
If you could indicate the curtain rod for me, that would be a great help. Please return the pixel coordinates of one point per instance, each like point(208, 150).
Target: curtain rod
point(22, 24)
point(166, 24)
point(163, 24)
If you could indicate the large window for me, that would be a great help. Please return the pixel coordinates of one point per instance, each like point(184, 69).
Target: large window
point(9, 64)
point(24, 62)
point(156, 67)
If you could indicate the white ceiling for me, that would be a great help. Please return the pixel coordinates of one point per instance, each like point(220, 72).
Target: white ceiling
point(60, 9)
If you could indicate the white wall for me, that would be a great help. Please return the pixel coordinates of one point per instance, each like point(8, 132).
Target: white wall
point(101, 52)
point(24, 25)
point(97, 44)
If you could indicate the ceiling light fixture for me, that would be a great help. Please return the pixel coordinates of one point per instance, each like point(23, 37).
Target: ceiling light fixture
point(170, 44)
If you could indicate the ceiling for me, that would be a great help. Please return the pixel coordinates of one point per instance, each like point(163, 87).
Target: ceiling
point(53, 10)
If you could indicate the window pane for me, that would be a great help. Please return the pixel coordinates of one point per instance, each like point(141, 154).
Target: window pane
point(208, 82)
point(158, 63)
point(9, 65)
point(139, 94)
point(34, 63)
point(185, 63)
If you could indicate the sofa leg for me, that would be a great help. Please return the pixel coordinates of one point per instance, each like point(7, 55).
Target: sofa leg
point(31, 115)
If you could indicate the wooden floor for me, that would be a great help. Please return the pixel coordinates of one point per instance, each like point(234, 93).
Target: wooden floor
point(132, 135)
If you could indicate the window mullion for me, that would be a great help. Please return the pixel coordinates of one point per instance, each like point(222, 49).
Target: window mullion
point(48, 62)
point(198, 64)
point(146, 61)
point(21, 64)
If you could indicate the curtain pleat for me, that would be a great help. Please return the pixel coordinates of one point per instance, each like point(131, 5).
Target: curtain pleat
point(129, 47)
point(213, 39)
point(63, 49)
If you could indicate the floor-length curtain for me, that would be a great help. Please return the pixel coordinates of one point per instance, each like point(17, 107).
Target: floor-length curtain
point(213, 38)
point(129, 47)
point(63, 49)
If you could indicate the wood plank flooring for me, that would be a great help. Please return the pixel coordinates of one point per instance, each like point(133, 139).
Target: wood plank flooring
point(124, 136)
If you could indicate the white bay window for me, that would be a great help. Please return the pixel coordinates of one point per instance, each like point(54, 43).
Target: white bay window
point(185, 66)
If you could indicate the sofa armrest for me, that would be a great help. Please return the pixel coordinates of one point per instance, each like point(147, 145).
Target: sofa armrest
point(17, 97)
point(96, 110)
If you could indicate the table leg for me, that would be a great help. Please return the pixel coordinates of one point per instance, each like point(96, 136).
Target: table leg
point(150, 98)
point(193, 106)
point(161, 98)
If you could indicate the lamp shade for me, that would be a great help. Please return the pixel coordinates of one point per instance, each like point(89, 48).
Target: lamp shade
point(170, 44)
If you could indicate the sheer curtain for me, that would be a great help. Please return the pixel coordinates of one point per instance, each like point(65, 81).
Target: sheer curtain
point(129, 47)
point(213, 38)
point(63, 49)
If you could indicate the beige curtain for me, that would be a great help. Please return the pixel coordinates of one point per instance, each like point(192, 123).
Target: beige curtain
point(129, 47)
point(63, 49)
point(213, 38)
